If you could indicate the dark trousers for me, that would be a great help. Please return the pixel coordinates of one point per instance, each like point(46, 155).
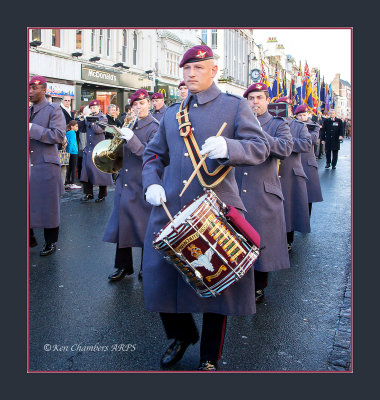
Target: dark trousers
point(88, 188)
point(290, 237)
point(123, 258)
point(320, 152)
point(79, 165)
point(310, 206)
point(50, 234)
point(261, 280)
point(334, 157)
point(182, 326)
point(71, 170)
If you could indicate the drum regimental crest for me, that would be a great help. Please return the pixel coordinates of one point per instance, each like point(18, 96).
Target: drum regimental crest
point(202, 260)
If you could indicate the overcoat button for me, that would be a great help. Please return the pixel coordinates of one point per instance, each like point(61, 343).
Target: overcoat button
point(186, 154)
point(195, 105)
point(125, 184)
point(244, 191)
point(245, 173)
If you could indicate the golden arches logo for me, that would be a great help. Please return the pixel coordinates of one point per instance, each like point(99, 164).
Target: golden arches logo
point(163, 91)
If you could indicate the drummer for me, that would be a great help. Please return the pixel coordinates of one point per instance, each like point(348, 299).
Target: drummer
point(129, 218)
point(260, 190)
point(167, 166)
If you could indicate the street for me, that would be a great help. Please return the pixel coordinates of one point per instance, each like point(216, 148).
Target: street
point(79, 321)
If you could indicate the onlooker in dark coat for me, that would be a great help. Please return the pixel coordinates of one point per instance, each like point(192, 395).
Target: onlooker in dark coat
point(332, 134)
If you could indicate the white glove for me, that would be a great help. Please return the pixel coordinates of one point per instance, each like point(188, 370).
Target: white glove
point(216, 146)
point(30, 125)
point(126, 133)
point(154, 194)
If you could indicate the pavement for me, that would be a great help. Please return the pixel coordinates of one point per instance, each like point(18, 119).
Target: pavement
point(79, 321)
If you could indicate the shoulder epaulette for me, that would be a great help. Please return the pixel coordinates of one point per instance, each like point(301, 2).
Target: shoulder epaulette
point(235, 95)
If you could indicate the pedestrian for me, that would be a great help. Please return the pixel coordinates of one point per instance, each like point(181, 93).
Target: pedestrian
point(166, 164)
point(183, 91)
point(331, 135)
point(293, 178)
point(159, 106)
point(309, 163)
point(260, 190)
point(66, 108)
point(348, 129)
point(90, 175)
point(46, 131)
point(72, 149)
point(130, 215)
point(127, 109)
point(81, 137)
point(112, 119)
point(49, 98)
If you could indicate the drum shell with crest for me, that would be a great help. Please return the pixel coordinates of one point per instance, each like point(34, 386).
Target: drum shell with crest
point(205, 247)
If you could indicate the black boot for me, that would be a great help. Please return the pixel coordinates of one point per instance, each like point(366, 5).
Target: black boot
point(87, 197)
point(49, 248)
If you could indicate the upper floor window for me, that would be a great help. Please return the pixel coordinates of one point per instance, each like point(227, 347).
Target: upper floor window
point(204, 36)
point(214, 38)
point(92, 40)
point(100, 41)
point(78, 44)
point(108, 41)
point(56, 37)
point(36, 34)
point(124, 46)
point(134, 48)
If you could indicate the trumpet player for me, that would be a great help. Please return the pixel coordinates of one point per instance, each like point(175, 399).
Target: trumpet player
point(90, 175)
point(130, 214)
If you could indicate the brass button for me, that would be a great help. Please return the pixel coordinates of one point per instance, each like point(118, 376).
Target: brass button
point(125, 184)
point(186, 154)
point(126, 170)
point(244, 191)
point(245, 173)
point(184, 182)
point(31, 165)
point(195, 105)
point(279, 176)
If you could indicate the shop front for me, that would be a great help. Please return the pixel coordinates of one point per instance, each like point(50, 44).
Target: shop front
point(170, 92)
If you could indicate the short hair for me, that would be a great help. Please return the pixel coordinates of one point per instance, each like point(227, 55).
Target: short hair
point(111, 106)
point(48, 96)
point(127, 107)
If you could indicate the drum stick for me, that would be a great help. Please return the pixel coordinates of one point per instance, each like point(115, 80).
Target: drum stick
point(166, 210)
point(201, 162)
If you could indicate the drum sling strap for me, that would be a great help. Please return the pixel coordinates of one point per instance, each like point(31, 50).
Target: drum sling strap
point(206, 178)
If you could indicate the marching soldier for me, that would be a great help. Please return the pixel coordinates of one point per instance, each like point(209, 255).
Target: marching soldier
point(130, 215)
point(293, 179)
point(309, 163)
point(47, 129)
point(183, 91)
point(159, 106)
point(167, 164)
point(260, 190)
point(90, 175)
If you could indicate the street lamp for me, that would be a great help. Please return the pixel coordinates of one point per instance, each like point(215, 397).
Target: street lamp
point(248, 64)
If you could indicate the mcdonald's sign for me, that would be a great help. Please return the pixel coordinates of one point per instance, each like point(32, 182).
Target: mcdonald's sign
point(164, 90)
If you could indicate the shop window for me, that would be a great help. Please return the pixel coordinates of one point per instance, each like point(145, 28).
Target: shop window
point(204, 36)
point(56, 37)
point(78, 45)
point(36, 34)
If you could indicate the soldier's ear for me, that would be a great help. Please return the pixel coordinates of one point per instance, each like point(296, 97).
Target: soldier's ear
point(214, 71)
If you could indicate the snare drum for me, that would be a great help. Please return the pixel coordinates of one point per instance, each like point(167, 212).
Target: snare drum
point(205, 248)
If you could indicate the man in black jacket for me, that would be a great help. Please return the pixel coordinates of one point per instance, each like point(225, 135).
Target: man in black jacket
point(331, 135)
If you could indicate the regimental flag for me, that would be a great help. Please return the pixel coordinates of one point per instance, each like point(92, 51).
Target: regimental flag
point(308, 97)
point(332, 98)
point(315, 94)
point(299, 99)
point(264, 79)
point(327, 95)
point(276, 86)
point(322, 95)
point(284, 88)
point(292, 92)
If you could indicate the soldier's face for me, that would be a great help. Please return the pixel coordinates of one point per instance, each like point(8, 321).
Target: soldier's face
point(258, 102)
point(199, 75)
point(183, 91)
point(36, 93)
point(158, 103)
point(141, 107)
point(303, 116)
point(332, 114)
point(94, 109)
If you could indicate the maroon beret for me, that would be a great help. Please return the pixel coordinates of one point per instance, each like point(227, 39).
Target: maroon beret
point(196, 53)
point(139, 94)
point(157, 95)
point(283, 100)
point(301, 108)
point(37, 80)
point(181, 84)
point(94, 103)
point(256, 87)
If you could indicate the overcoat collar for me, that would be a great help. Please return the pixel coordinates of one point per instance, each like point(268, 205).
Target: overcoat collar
point(265, 118)
point(41, 105)
point(203, 97)
point(141, 123)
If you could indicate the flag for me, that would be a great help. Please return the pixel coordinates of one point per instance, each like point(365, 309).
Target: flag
point(322, 97)
point(275, 86)
point(298, 93)
point(308, 97)
point(315, 94)
point(264, 79)
point(327, 95)
point(284, 88)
